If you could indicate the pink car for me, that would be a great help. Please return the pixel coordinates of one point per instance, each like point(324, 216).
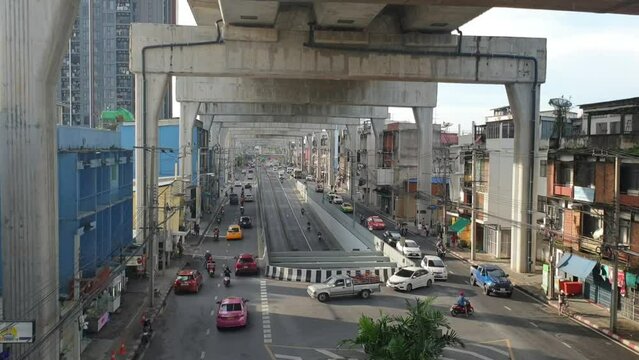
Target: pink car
point(232, 312)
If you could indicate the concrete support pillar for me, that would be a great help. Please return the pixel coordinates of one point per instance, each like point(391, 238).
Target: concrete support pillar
point(376, 157)
point(524, 103)
point(318, 137)
point(352, 160)
point(188, 112)
point(221, 163)
point(34, 36)
point(147, 109)
point(424, 121)
point(331, 159)
point(309, 145)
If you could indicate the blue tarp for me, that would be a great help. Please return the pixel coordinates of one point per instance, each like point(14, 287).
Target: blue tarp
point(576, 265)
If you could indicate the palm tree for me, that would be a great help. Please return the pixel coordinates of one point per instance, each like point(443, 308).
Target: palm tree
point(420, 335)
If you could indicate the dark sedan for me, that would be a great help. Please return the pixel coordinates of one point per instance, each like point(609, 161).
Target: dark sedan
point(391, 237)
point(245, 222)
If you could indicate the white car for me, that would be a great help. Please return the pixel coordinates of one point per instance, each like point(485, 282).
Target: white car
point(338, 200)
point(410, 249)
point(410, 278)
point(436, 266)
point(310, 178)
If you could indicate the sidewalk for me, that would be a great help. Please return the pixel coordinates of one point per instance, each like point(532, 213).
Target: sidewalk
point(124, 326)
point(586, 313)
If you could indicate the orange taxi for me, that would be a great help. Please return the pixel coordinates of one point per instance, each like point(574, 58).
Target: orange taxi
point(234, 232)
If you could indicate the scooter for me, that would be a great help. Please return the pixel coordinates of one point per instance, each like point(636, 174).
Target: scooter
point(441, 253)
point(455, 309)
point(210, 268)
point(227, 280)
point(147, 332)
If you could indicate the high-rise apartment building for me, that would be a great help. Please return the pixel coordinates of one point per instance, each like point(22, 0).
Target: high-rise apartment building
point(95, 72)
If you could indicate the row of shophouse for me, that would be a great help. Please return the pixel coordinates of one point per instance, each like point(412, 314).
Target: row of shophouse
point(98, 247)
point(586, 187)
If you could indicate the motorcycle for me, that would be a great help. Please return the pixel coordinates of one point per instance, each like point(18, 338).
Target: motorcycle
point(219, 220)
point(227, 280)
point(147, 332)
point(441, 253)
point(210, 268)
point(455, 309)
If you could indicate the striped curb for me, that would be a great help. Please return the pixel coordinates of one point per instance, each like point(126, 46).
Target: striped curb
point(320, 275)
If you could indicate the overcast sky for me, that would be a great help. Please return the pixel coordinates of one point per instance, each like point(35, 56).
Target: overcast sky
point(591, 58)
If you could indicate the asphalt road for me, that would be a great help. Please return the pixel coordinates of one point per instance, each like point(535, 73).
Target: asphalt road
point(286, 324)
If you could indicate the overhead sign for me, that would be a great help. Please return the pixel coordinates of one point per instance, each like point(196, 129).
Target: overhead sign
point(17, 332)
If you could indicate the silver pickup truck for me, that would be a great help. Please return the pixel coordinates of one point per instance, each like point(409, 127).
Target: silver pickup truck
point(344, 285)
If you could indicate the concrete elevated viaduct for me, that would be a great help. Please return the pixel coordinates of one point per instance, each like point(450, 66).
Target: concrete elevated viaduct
point(263, 41)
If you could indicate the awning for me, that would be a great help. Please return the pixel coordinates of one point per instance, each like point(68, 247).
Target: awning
point(459, 225)
point(576, 265)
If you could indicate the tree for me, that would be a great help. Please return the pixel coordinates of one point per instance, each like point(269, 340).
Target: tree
point(417, 336)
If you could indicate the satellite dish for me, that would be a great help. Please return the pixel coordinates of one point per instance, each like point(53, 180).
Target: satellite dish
point(560, 103)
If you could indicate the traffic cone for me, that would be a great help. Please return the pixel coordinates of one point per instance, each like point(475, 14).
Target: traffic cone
point(122, 349)
point(113, 356)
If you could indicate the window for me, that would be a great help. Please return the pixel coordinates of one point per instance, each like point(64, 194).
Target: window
point(543, 168)
point(629, 179)
point(339, 282)
point(541, 203)
point(563, 176)
point(508, 130)
point(624, 231)
point(601, 128)
point(584, 173)
point(492, 130)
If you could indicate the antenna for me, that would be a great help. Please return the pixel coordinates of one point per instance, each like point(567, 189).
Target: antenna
point(562, 106)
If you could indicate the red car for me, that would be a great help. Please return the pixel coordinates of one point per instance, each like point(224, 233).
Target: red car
point(232, 312)
point(375, 223)
point(188, 280)
point(246, 263)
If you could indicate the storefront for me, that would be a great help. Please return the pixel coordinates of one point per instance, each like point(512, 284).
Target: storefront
point(574, 274)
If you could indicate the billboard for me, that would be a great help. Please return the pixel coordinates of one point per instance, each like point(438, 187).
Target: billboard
point(17, 332)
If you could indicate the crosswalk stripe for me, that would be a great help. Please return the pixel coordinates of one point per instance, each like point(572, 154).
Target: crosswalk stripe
point(287, 357)
point(479, 356)
point(329, 354)
point(503, 352)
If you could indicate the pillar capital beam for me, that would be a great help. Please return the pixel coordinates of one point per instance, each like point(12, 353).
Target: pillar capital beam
point(306, 92)
point(293, 121)
point(288, 54)
point(259, 109)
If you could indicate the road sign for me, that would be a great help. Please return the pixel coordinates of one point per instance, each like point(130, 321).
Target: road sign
point(16, 332)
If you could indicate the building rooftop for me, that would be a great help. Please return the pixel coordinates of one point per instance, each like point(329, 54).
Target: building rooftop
point(612, 103)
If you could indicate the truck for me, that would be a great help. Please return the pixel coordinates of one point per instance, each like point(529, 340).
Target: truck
point(248, 195)
point(345, 285)
point(491, 278)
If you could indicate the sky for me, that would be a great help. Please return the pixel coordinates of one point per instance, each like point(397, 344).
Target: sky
point(591, 58)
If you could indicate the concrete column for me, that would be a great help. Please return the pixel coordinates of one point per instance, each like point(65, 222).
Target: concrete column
point(309, 144)
point(188, 112)
point(378, 125)
point(318, 136)
point(352, 160)
point(424, 121)
point(524, 103)
point(331, 159)
point(34, 36)
point(147, 110)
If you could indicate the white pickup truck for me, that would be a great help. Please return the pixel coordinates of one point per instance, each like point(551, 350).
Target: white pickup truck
point(344, 285)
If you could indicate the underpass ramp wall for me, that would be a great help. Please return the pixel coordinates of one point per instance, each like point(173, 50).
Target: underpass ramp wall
point(320, 275)
point(339, 225)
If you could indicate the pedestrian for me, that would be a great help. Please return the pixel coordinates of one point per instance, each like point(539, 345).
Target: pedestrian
point(196, 228)
point(415, 221)
point(386, 209)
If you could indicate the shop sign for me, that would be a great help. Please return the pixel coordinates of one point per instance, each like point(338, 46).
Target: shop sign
point(103, 320)
point(17, 332)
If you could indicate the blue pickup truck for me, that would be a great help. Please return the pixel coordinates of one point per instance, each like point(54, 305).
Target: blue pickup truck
point(491, 278)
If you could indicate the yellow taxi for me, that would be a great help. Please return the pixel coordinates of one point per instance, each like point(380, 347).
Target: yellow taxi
point(234, 233)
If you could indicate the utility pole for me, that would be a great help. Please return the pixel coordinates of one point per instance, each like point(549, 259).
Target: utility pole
point(151, 206)
point(552, 222)
point(615, 251)
point(473, 194)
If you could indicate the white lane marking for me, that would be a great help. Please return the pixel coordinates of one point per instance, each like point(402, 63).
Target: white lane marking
point(202, 355)
point(568, 346)
point(507, 308)
point(212, 312)
point(533, 324)
point(479, 356)
point(329, 354)
point(503, 352)
point(208, 331)
point(450, 272)
point(287, 357)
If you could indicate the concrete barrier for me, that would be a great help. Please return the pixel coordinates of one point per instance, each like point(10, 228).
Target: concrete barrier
point(320, 275)
point(346, 238)
point(394, 255)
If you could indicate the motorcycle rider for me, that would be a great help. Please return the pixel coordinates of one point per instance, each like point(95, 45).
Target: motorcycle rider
point(216, 233)
point(241, 210)
point(441, 249)
point(308, 226)
point(208, 257)
point(227, 273)
point(462, 301)
point(302, 211)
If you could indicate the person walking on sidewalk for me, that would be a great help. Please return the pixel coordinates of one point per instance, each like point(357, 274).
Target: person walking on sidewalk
point(563, 305)
point(196, 229)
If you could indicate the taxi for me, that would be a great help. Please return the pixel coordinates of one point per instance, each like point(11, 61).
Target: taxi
point(234, 232)
point(347, 208)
